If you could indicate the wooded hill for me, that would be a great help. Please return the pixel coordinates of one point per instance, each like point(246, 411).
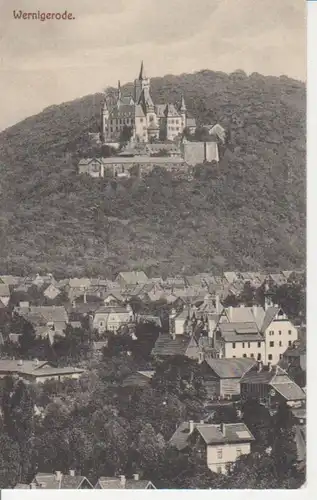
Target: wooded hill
point(247, 214)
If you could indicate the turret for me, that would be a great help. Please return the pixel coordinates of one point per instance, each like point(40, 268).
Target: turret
point(104, 118)
point(119, 93)
point(183, 111)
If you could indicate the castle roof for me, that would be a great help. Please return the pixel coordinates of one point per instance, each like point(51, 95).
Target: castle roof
point(170, 110)
point(122, 111)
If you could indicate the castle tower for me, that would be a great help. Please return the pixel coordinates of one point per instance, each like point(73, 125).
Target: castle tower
point(183, 111)
point(104, 119)
point(119, 93)
point(141, 83)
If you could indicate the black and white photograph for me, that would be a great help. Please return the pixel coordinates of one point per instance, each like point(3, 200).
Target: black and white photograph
point(153, 245)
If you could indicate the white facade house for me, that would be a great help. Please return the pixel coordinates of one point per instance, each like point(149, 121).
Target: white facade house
point(222, 444)
point(111, 318)
point(254, 332)
point(279, 333)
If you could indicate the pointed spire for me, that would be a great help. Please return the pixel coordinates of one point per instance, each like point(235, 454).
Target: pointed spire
point(142, 73)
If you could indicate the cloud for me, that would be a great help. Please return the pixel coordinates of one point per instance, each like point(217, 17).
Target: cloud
point(43, 63)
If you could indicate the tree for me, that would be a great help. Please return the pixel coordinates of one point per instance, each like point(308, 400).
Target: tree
point(284, 450)
point(18, 419)
point(10, 461)
point(125, 135)
point(258, 419)
point(225, 414)
point(181, 376)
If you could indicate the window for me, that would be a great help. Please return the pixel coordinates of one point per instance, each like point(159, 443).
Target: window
point(289, 343)
point(219, 453)
point(233, 356)
point(259, 356)
point(239, 452)
point(249, 345)
point(281, 356)
point(219, 470)
point(280, 343)
point(279, 332)
point(244, 355)
point(272, 343)
point(289, 332)
point(252, 355)
point(270, 357)
point(243, 344)
point(233, 345)
point(271, 332)
point(141, 120)
point(259, 344)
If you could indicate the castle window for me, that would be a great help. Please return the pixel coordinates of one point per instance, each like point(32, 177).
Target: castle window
point(141, 120)
point(270, 357)
point(259, 356)
point(280, 343)
point(272, 343)
point(259, 344)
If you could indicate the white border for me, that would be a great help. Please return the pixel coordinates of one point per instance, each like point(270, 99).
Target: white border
point(311, 487)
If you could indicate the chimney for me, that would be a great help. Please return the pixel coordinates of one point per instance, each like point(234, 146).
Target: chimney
point(122, 481)
point(20, 362)
point(269, 365)
point(173, 335)
point(85, 297)
point(223, 429)
point(191, 426)
point(254, 310)
point(72, 473)
point(202, 421)
point(58, 475)
point(260, 366)
point(33, 485)
point(136, 477)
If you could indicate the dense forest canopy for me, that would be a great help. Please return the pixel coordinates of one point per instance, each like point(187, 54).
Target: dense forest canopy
point(249, 213)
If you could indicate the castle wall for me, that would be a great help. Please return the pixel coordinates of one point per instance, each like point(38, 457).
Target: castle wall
point(200, 152)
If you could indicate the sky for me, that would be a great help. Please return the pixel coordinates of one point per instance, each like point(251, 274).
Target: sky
point(45, 63)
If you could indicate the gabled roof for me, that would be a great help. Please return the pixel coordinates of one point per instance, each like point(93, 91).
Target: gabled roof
point(270, 314)
point(211, 434)
point(113, 483)
point(231, 368)
point(262, 377)
point(288, 389)
point(67, 482)
point(165, 345)
point(133, 277)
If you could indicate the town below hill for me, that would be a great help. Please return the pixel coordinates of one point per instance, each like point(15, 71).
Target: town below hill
point(187, 382)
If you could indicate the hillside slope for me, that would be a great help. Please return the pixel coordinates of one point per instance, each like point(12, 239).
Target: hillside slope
point(248, 214)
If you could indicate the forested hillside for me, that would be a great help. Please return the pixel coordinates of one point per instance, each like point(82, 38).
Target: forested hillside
point(247, 214)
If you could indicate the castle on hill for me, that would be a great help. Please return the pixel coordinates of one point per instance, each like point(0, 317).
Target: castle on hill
point(145, 120)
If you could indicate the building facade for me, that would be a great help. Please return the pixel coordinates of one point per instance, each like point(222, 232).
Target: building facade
point(141, 117)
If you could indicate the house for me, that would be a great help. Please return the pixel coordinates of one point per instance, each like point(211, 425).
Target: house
point(37, 371)
point(131, 278)
point(123, 483)
point(4, 294)
point(113, 299)
point(270, 386)
point(263, 334)
point(138, 379)
point(110, 318)
point(222, 376)
point(221, 444)
point(59, 481)
point(53, 317)
point(237, 334)
point(279, 334)
point(166, 346)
